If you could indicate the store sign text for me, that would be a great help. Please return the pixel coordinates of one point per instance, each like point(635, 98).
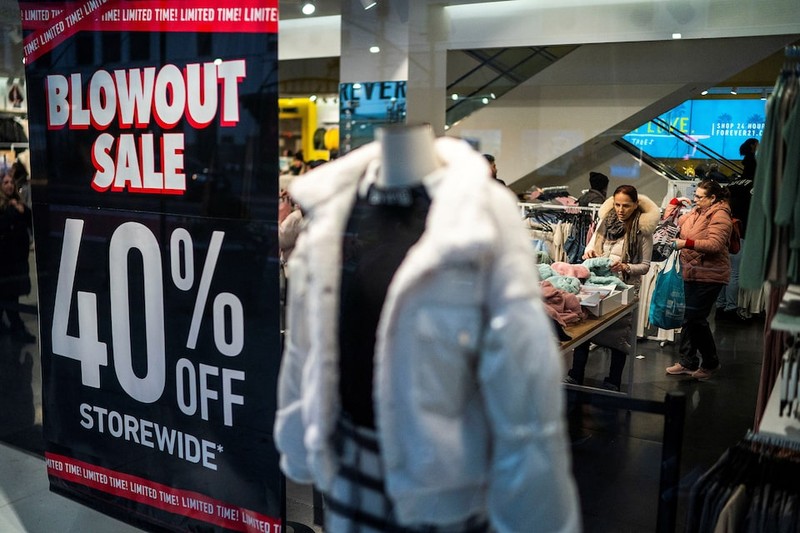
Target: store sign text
point(131, 99)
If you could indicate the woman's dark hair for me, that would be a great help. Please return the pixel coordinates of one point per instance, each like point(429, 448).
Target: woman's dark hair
point(628, 190)
point(748, 147)
point(713, 188)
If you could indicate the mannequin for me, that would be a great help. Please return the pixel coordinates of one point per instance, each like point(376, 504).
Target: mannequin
point(420, 381)
point(407, 155)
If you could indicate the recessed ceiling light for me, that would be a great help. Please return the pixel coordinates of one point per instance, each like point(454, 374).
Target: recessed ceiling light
point(308, 7)
point(374, 49)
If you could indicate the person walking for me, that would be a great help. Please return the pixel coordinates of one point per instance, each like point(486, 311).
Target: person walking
point(706, 266)
point(625, 235)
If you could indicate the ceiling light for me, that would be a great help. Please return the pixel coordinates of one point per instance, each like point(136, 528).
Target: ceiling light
point(734, 90)
point(368, 4)
point(374, 49)
point(313, 97)
point(677, 36)
point(485, 100)
point(454, 96)
point(704, 92)
point(308, 7)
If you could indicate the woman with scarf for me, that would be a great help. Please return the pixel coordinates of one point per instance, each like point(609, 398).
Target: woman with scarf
point(706, 266)
point(625, 237)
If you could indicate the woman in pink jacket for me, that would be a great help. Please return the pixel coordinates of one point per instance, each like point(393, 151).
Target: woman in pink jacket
point(703, 242)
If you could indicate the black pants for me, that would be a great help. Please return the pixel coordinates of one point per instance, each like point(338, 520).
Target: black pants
point(581, 355)
point(696, 334)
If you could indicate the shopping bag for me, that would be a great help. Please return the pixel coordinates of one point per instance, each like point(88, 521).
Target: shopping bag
point(668, 302)
point(665, 233)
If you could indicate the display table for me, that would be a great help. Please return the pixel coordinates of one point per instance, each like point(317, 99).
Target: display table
point(591, 326)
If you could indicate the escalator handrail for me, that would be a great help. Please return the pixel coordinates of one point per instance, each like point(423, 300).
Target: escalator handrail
point(667, 171)
point(717, 157)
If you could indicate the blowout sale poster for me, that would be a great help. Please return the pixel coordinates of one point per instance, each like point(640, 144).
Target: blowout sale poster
point(154, 155)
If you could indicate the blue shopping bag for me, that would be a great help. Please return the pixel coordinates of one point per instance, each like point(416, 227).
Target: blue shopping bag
point(668, 302)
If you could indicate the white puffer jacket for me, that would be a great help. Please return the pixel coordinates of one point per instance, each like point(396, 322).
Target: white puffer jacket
point(468, 398)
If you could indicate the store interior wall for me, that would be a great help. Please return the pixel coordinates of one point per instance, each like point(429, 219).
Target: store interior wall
point(594, 95)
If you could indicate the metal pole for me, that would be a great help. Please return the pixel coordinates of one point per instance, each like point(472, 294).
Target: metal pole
point(674, 417)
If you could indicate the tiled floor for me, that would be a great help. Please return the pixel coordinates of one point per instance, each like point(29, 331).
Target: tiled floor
point(616, 454)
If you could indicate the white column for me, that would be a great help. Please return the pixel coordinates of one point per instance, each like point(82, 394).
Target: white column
point(411, 38)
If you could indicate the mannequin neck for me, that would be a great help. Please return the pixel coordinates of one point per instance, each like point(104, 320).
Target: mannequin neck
point(407, 155)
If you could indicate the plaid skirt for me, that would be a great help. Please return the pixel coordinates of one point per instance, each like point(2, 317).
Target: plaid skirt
point(357, 501)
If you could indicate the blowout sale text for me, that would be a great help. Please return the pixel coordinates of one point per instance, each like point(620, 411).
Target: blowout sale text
point(142, 162)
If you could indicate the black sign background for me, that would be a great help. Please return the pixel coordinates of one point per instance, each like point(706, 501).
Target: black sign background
point(231, 188)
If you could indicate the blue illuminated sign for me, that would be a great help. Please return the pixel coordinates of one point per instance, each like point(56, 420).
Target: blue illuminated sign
point(720, 125)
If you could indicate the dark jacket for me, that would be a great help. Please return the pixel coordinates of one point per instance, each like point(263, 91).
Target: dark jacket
point(592, 196)
point(741, 193)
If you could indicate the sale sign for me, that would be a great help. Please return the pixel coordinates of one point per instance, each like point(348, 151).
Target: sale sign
point(154, 154)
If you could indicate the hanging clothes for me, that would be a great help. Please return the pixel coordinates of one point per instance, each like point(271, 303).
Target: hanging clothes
point(752, 488)
point(771, 251)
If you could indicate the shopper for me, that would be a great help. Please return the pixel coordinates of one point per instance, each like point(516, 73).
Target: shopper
point(706, 265)
point(748, 152)
point(741, 192)
point(625, 235)
point(15, 281)
point(298, 164)
point(417, 386)
point(493, 166)
point(597, 193)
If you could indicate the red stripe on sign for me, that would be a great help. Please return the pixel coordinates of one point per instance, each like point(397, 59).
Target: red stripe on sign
point(50, 27)
point(177, 501)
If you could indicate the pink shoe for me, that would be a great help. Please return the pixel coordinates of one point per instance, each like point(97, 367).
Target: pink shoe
point(677, 369)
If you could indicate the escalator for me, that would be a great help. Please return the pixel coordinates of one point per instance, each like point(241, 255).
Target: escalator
point(478, 77)
point(675, 168)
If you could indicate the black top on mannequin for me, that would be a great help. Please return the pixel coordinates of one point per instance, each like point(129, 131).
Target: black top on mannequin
point(380, 230)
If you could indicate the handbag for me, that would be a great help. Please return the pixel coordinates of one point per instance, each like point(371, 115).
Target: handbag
point(664, 234)
point(668, 301)
point(735, 242)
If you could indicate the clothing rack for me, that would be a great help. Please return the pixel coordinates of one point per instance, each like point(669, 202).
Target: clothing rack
point(782, 414)
point(555, 188)
point(753, 486)
point(579, 224)
point(558, 207)
point(527, 208)
point(772, 222)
